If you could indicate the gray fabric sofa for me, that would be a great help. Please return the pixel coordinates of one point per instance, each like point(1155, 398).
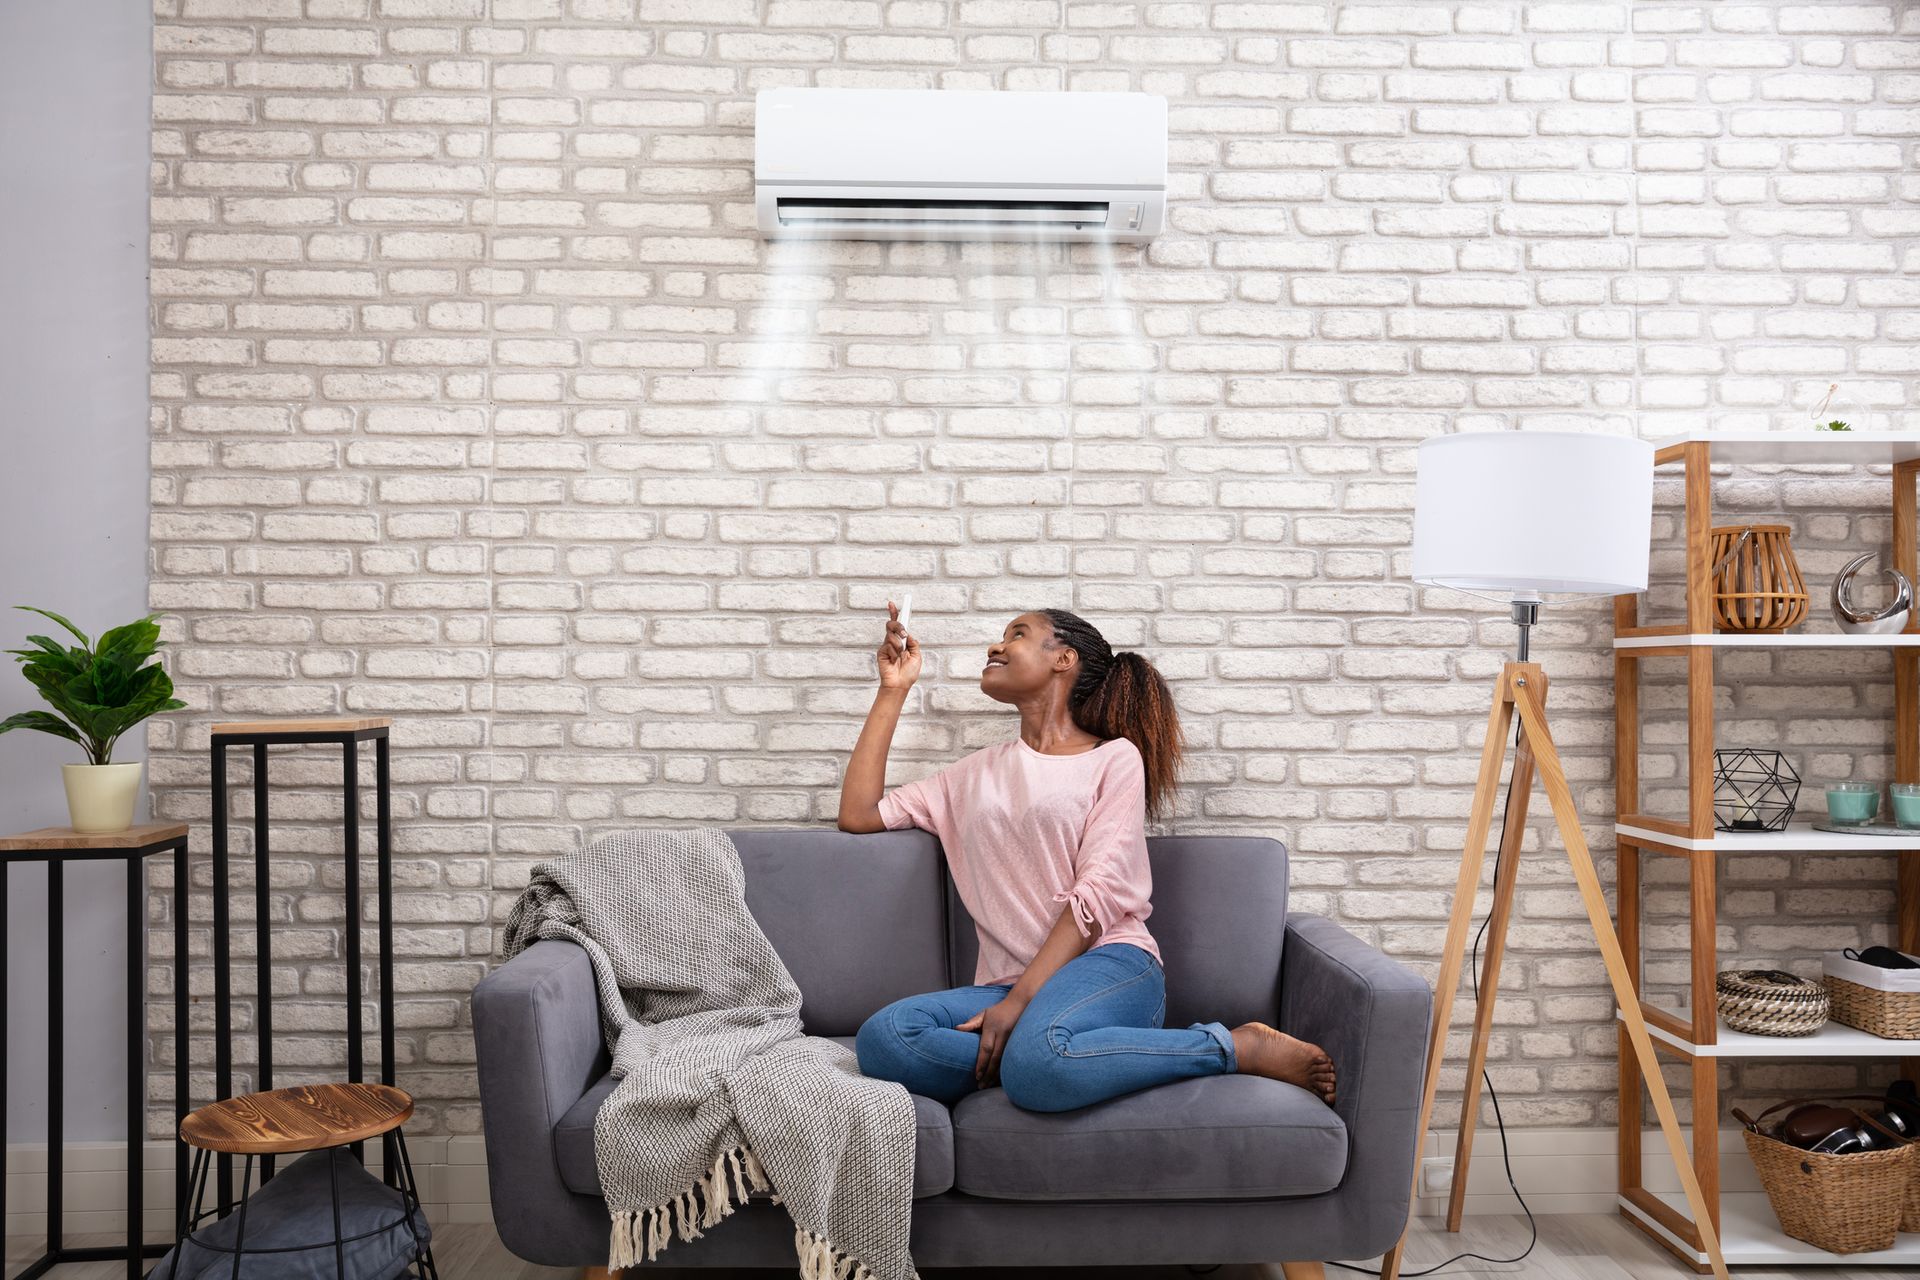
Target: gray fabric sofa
point(1228, 1168)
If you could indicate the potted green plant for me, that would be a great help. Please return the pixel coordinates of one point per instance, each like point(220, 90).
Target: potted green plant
point(97, 691)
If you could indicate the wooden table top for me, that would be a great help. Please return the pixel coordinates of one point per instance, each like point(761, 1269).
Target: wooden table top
point(344, 724)
point(137, 836)
point(304, 1117)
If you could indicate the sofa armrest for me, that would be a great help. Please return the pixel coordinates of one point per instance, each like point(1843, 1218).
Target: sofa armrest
point(1372, 1016)
point(538, 1045)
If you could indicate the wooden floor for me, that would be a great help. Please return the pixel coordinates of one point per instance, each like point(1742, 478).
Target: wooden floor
point(1572, 1247)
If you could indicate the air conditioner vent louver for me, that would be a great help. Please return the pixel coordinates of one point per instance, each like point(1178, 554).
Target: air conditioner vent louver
point(885, 164)
point(1012, 215)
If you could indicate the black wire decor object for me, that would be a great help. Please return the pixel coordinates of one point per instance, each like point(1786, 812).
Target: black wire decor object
point(1753, 790)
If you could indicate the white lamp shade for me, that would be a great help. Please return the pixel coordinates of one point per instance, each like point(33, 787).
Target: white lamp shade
point(1517, 513)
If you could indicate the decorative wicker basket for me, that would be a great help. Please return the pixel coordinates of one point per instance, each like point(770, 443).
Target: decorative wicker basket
point(1770, 1002)
point(1757, 587)
point(1844, 1204)
point(1892, 1015)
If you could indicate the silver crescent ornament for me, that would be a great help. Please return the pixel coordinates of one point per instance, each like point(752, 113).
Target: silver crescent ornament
point(1862, 622)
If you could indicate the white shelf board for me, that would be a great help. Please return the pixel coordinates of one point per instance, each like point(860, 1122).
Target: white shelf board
point(1856, 448)
point(1751, 1236)
point(1835, 1040)
point(1795, 640)
point(1799, 837)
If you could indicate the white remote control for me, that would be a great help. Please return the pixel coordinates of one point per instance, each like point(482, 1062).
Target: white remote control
point(906, 618)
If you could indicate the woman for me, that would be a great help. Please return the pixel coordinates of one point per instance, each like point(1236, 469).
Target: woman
point(1068, 999)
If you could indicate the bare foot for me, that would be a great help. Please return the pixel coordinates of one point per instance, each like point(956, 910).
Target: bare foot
point(1263, 1051)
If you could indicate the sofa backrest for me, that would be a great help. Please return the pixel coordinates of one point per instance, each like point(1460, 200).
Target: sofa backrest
point(859, 920)
point(1220, 918)
point(862, 920)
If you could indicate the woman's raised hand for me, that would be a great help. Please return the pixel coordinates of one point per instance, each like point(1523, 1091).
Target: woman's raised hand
point(899, 653)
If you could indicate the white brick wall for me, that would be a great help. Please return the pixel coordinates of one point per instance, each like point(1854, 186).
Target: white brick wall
point(478, 402)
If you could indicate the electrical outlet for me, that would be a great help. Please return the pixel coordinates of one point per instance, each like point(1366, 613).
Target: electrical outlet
point(1436, 1177)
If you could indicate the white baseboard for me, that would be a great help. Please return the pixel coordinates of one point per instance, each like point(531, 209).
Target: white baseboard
point(1562, 1170)
point(1559, 1171)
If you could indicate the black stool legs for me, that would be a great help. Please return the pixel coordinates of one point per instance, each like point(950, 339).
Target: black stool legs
point(398, 1163)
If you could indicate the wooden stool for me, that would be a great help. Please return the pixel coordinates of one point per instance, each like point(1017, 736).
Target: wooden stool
point(298, 1119)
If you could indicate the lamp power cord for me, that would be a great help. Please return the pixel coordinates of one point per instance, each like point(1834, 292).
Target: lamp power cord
point(1506, 1155)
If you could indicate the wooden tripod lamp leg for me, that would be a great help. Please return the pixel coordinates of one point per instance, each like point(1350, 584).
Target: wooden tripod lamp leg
point(1506, 875)
point(1453, 954)
point(1533, 720)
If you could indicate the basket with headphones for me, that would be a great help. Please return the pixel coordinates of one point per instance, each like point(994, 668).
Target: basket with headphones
point(1836, 1177)
point(1771, 1002)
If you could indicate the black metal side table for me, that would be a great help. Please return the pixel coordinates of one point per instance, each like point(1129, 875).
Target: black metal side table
point(57, 846)
point(346, 733)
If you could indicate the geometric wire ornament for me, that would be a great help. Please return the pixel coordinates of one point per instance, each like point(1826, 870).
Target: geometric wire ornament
point(1753, 790)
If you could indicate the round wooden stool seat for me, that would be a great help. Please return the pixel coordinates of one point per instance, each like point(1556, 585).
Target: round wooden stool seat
point(305, 1117)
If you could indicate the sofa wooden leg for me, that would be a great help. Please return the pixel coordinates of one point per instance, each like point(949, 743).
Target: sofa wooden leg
point(1303, 1270)
point(600, 1273)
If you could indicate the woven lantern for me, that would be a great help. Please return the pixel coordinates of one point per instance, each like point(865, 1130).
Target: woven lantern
point(1757, 587)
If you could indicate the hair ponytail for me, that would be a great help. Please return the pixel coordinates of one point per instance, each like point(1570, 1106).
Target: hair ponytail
point(1122, 695)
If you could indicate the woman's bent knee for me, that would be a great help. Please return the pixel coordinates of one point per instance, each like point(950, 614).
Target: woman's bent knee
point(877, 1046)
point(1032, 1071)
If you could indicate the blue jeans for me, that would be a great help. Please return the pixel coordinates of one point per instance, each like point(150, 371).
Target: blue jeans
point(1092, 1033)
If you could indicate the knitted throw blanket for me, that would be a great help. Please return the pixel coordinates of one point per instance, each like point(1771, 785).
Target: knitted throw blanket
point(720, 1093)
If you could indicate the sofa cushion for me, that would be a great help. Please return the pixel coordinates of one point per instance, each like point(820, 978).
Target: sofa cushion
point(1210, 1137)
point(1219, 915)
point(580, 1167)
point(859, 920)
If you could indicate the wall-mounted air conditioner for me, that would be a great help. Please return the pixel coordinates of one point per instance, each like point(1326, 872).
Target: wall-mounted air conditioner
point(959, 164)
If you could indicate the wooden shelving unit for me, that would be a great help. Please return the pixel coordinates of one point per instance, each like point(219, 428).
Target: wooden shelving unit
point(1748, 1232)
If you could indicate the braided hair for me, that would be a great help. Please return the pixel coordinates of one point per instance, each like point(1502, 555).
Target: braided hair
point(1122, 695)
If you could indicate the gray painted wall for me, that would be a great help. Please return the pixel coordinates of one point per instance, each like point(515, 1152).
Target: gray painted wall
point(74, 111)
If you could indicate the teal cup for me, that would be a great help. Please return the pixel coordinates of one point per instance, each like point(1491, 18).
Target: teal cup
point(1853, 803)
point(1906, 804)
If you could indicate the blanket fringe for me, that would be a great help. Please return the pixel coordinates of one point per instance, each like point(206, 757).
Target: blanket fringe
point(640, 1234)
point(819, 1260)
point(758, 1172)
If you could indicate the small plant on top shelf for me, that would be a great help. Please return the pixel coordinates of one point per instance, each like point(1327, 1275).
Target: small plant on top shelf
point(1832, 424)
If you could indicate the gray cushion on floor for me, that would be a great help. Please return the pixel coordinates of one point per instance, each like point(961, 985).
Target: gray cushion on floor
point(580, 1167)
point(1211, 1137)
point(295, 1210)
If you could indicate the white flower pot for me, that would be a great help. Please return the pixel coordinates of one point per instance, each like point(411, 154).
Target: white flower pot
point(100, 797)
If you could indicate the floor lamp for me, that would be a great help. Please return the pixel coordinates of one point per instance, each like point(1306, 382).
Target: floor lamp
point(1513, 515)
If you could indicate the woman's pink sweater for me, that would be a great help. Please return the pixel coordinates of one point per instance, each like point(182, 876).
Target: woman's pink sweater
point(1025, 831)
